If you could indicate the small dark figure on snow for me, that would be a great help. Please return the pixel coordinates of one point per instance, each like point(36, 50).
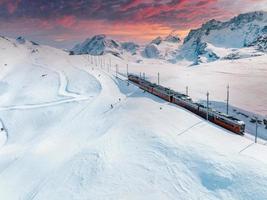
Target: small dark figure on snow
point(111, 106)
point(119, 99)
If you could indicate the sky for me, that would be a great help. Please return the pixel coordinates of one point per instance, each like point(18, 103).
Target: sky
point(63, 23)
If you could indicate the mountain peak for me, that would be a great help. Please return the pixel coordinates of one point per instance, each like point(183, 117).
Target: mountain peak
point(239, 32)
point(157, 40)
point(172, 38)
point(20, 40)
point(101, 44)
point(97, 45)
point(250, 16)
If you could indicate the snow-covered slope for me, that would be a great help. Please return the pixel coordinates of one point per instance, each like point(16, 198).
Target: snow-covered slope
point(60, 138)
point(239, 32)
point(246, 77)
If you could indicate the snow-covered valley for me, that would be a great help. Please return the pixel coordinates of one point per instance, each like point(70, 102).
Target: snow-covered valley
point(246, 78)
point(61, 139)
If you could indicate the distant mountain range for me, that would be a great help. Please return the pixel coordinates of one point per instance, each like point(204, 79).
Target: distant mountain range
point(101, 44)
point(240, 37)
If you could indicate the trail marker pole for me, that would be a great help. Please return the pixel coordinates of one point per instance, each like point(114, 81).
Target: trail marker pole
point(158, 78)
point(116, 71)
point(227, 101)
point(186, 89)
point(256, 134)
point(208, 106)
point(127, 69)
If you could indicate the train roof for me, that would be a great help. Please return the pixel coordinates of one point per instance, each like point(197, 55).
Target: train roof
point(228, 117)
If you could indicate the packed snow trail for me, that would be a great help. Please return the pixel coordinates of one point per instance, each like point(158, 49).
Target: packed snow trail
point(3, 134)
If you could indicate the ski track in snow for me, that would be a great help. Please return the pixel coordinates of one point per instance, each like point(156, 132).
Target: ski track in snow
point(62, 91)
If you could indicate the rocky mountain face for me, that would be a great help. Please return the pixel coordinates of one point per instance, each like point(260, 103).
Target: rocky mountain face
point(97, 45)
point(130, 47)
point(211, 40)
point(151, 51)
point(261, 43)
point(162, 48)
point(101, 44)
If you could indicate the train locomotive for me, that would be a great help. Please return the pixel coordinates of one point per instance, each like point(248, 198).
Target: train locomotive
point(228, 122)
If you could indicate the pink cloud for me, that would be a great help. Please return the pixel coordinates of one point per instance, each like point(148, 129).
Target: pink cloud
point(10, 5)
point(66, 21)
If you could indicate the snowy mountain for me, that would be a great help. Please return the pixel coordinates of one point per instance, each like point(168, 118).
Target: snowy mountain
point(215, 39)
point(159, 48)
point(241, 37)
point(157, 40)
point(130, 47)
point(21, 40)
point(101, 44)
point(172, 38)
point(98, 45)
point(162, 48)
point(261, 42)
point(151, 51)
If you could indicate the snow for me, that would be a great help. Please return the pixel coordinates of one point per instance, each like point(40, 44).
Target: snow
point(237, 33)
point(63, 140)
point(246, 78)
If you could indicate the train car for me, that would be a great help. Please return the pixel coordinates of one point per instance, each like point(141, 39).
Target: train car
point(225, 121)
point(147, 86)
point(163, 93)
point(134, 78)
point(228, 122)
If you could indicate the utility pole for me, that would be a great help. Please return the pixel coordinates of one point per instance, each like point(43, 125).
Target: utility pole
point(256, 134)
point(227, 101)
point(89, 59)
point(208, 106)
point(140, 75)
point(158, 78)
point(92, 62)
point(116, 71)
point(127, 69)
point(186, 89)
point(144, 76)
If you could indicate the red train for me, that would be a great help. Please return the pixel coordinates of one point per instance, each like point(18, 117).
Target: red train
point(228, 122)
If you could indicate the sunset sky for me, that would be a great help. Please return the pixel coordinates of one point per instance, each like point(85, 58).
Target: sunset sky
point(63, 23)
